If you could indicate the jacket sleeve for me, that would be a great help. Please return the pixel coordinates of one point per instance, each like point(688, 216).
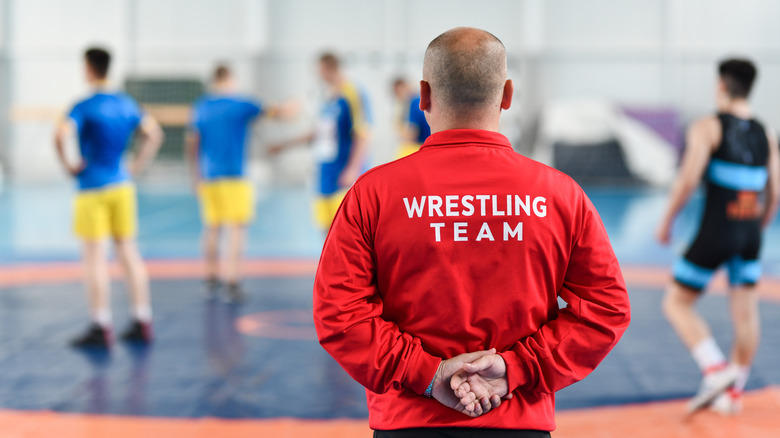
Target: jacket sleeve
point(569, 347)
point(348, 311)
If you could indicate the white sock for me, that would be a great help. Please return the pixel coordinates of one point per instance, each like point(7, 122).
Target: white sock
point(743, 372)
point(143, 313)
point(708, 355)
point(102, 317)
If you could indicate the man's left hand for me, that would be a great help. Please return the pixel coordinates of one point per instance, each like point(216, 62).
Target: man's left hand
point(442, 386)
point(482, 382)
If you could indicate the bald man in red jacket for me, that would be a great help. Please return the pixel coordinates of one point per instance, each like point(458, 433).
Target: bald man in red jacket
point(438, 284)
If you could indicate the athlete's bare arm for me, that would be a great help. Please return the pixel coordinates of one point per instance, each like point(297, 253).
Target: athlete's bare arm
point(63, 131)
point(410, 132)
point(772, 195)
point(702, 139)
point(151, 139)
point(303, 140)
point(191, 150)
point(357, 157)
point(286, 110)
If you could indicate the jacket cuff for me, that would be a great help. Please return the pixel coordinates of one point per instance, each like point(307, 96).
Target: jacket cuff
point(518, 373)
point(422, 369)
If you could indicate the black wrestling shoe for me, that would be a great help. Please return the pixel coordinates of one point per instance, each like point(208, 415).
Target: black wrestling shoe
point(138, 332)
point(235, 294)
point(96, 336)
point(211, 288)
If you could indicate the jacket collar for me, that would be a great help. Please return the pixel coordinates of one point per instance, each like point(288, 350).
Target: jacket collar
point(452, 137)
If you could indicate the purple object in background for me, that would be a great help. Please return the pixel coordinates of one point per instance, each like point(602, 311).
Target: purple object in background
point(663, 121)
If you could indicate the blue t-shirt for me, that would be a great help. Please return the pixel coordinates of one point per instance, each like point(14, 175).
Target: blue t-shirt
point(105, 121)
point(341, 118)
point(222, 123)
point(417, 119)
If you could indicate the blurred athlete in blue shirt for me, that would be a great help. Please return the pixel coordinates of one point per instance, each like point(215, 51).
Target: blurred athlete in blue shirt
point(410, 119)
point(217, 153)
point(106, 204)
point(340, 139)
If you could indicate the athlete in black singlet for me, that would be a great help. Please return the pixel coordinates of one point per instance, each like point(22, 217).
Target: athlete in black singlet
point(730, 230)
point(738, 159)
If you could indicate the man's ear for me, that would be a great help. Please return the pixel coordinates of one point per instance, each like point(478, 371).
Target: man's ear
point(509, 91)
point(425, 96)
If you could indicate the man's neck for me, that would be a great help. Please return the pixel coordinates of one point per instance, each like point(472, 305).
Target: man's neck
point(736, 107)
point(99, 85)
point(336, 84)
point(220, 88)
point(485, 124)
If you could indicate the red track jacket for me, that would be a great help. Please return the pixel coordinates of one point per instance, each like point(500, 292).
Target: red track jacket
point(463, 246)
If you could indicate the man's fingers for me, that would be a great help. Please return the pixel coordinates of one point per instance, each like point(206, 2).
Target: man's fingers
point(508, 396)
point(471, 357)
point(495, 401)
point(480, 364)
point(468, 399)
point(458, 379)
point(486, 405)
point(478, 409)
point(462, 390)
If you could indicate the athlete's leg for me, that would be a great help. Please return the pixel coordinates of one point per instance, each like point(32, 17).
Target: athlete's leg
point(211, 237)
point(679, 309)
point(235, 252)
point(747, 334)
point(136, 278)
point(96, 280)
point(745, 316)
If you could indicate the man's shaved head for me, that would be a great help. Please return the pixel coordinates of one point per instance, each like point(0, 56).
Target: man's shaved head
point(466, 69)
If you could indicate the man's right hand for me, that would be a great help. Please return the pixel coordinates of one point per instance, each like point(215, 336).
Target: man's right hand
point(482, 382)
point(443, 388)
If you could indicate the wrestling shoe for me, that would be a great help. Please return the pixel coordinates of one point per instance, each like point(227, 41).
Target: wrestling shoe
point(138, 332)
point(96, 336)
point(211, 288)
point(712, 385)
point(235, 294)
point(727, 404)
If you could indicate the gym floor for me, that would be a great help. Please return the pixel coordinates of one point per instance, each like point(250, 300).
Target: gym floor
point(238, 371)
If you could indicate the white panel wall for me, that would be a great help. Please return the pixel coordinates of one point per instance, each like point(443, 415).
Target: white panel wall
point(724, 25)
point(637, 52)
point(427, 19)
point(604, 24)
point(46, 40)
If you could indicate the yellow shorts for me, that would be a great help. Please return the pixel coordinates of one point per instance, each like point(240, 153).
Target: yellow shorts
point(408, 149)
point(105, 212)
point(325, 208)
point(226, 202)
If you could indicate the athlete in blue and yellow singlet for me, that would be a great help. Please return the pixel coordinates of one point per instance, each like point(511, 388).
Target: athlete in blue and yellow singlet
point(217, 149)
point(411, 125)
point(105, 206)
point(417, 129)
point(221, 123)
point(340, 140)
